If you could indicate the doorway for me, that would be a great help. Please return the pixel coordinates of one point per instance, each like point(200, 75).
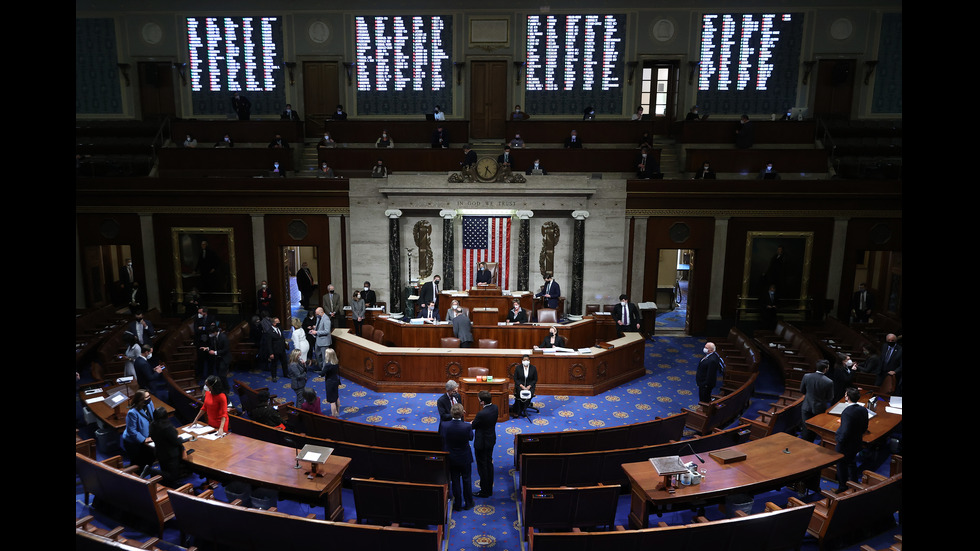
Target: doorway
point(321, 94)
point(297, 290)
point(103, 268)
point(675, 272)
point(157, 97)
point(488, 99)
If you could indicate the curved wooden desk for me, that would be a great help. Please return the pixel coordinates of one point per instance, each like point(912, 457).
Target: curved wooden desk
point(421, 369)
point(579, 334)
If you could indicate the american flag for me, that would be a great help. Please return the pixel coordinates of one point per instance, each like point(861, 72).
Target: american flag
point(486, 239)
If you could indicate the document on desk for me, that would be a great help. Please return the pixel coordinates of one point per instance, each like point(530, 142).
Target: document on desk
point(199, 429)
point(316, 457)
point(96, 399)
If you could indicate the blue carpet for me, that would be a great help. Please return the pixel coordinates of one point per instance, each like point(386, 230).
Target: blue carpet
point(667, 386)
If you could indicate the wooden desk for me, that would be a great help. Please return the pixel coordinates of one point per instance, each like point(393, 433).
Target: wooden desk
point(579, 334)
point(766, 466)
point(484, 298)
point(499, 390)
point(107, 414)
point(879, 426)
point(238, 457)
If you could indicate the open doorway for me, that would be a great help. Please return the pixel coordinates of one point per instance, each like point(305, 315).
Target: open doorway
point(301, 279)
point(675, 269)
point(107, 275)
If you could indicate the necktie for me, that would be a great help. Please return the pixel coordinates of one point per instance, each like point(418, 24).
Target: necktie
point(626, 314)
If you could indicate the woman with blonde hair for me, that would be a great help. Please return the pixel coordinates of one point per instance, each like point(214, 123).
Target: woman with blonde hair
point(297, 372)
point(300, 342)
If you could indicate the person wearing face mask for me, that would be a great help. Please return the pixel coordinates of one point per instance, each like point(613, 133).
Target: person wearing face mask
point(818, 394)
point(705, 172)
point(215, 405)
point(454, 310)
point(379, 170)
point(438, 115)
point(225, 142)
point(525, 381)
point(463, 328)
point(369, 296)
point(384, 141)
point(190, 141)
point(339, 114)
point(429, 312)
point(483, 275)
point(518, 115)
point(150, 376)
point(127, 276)
point(536, 168)
point(326, 142)
point(550, 292)
point(517, 142)
point(333, 305)
point(277, 170)
point(278, 142)
point(357, 312)
point(707, 374)
point(136, 435)
point(627, 316)
point(553, 340)
point(517, 314)
point(218, 351)
point(264, 298)
point(891, 362)
point(430, 291)
point(242, 106)
point(769, 173)
point(289, 114)
point(323, 338)
point(325, 171)
point(142, 329)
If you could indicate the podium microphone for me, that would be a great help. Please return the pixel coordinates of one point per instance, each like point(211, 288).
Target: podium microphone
point(688, 445)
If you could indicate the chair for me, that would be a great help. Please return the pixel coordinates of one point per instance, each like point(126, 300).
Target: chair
point(547, 315)
point(492, 266)
point(367, 331)
point(610, 307)
point(449, 342)
point(488, 343)
point(378, 337)
point(477, 371)
point(591, 309)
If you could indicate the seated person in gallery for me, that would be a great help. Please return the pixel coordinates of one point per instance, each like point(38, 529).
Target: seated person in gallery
point(769, 173)
point(519, 115)
point(225, 142)
point(553, 340)
point(278, 143)
point(325, 171)
point(379, 170)
point(429, 312)
point(190, 141)
point(536, 168)
point(517, 142)
point(384, 141)
point(288, 114)
point(705, 172)
point(573, 141)
point(440, 138)
point(339, 114)
point(326, 141)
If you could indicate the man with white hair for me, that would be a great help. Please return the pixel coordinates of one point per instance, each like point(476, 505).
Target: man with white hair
point(446, 401)
point(707, 374)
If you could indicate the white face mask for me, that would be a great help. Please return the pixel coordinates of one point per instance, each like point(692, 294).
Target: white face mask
point(150, 355)
point(366, 288)
point(705, 350)
point(526, 363)
point(849, 363)
point(206, 389)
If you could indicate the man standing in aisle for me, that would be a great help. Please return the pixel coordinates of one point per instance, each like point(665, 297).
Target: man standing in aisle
point(484, 439)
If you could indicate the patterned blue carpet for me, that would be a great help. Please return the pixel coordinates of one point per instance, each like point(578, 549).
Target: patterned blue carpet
point(494, 524)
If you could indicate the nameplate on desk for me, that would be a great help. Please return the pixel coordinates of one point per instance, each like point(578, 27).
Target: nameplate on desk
point(413, 297)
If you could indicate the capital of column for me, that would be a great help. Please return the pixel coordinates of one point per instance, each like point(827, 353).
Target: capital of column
point(580, 214)
point(393, 213)
point(447, 214)
point(524, 214)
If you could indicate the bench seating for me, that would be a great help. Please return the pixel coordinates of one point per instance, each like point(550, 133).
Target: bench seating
point(721, 411)
point(221, 523)
point(323, 426)
point(397, 503)
point(775, 530)
point(784, 415)
point(564, 508)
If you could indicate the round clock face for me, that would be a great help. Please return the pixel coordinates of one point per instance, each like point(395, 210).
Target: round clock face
point(486, 168)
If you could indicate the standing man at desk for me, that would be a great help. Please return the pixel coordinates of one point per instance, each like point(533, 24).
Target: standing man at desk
point(484, 439)
point(627, 316)
point(517, 314)
point(430, 291)
point(707, 374)
point(305, 284)
point(862, 303)
point(850, 438)
point(333, 306)
point(483, 275)
point(463, 329)
point(818, 390)
point(457, 435)
point(550, 292)
point(288, 114)
point(241, 106)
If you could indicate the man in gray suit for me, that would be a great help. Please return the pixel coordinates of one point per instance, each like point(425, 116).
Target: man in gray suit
point(818, 390)
point(333, 305)
point(463, 329)
point(322, 334)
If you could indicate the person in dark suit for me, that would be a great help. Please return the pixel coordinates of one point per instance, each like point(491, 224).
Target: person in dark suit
point(288, 114)
point(127, 276)
point(220, 353)
point(304, 282)
point(693, 115)
point(768, 173)
point(818, 394)
point(241, 106)
point(340, 114)
point(333, 307)
point(850, 438)
point(525, 379)
point(553, 340)
point(891, 362)
point(463, 329)
point(646, 166)
point(768, 307)
point(150, 376)
point(505, 159)
point(430, 291)
point(274, 348)
point(168, 447)
point(469, 157)
point(142, 329)
point(707, 374)
point(517, 314)
point(872, 361)
point(483, 275)
point(429, 312)
point(457, 435)
point(278, 143)
point(263, 299)
point(440, 138)
point(705, 172)
point(550, 292)
point(447, 400)
point(627, 316)
point(572, 141)
point(536, 165)
point(484, 439)
point(745, 133)
point(368, 295)
point(588, 114)
point(862, 304)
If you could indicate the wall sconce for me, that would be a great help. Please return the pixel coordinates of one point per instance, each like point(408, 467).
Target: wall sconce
point(807, 68)
point(181, 69)
point(459, 66)
point(870, 66)
point(291, 65)
point(347, 67)
point(632, 65)
point(124, 69)
point(519, 70)
point(692, 67)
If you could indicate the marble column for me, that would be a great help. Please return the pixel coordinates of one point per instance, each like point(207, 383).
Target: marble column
point(394, 261)
point(578, 261)
point(524, 250)
point(448, 248)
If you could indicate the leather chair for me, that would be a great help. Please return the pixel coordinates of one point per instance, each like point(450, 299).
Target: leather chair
point(488, 343)
point(610, 307)
point(449, 342)
point(547, 315)
point(367, 331)
point(477, 371)
point(378, 336)
point(591, 309)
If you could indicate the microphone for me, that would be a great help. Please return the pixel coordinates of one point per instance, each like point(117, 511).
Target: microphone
point(688, 445)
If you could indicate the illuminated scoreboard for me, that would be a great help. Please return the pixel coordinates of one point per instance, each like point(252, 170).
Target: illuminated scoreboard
point(403, 64)
point(574, 61)
point(235, 54)
point(749, 62)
